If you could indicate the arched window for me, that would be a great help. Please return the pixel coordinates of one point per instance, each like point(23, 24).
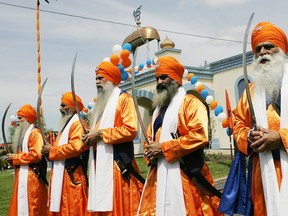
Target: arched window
point(240, 87)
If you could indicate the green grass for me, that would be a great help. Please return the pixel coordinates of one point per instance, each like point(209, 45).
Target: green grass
point(218, 164)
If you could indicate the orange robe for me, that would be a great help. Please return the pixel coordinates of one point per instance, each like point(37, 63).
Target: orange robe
point(74, 197)
point(126, 195)
point(37, 191)
point(242, 125)
point(192, 127)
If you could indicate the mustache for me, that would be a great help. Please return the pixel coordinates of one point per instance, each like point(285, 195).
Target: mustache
point(161, 87)
point(264, 57)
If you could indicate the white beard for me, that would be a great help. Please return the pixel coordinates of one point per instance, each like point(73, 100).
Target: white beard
point(269, 76)
point(164, 97)
point(63, 120)
point(19, 134)
point(102, 98)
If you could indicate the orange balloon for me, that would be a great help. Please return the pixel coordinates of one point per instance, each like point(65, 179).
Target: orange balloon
point(225, 123)
point(114, 58)
point(13, 124)
point(189, 76)
point(130, 70)
point(124, 54)
point(126, 62)
point(85, 109)
point(95, 99)
point(200, 88)
point(213, 104)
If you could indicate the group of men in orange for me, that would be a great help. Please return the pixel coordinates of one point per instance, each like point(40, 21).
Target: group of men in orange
point(178, 133)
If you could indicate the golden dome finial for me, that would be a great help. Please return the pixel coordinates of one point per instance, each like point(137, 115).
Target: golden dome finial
point(167, 43)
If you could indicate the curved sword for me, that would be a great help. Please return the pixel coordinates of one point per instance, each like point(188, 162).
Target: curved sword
point(144, 131)
point(3, 128)
point(254, 125)
point(39, 114)
point(74, 95)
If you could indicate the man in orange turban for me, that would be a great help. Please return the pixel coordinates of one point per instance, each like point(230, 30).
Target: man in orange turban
point(29, 193)
point(178, 131)
point(267, 146)
point(68, 186)
point(113, 186)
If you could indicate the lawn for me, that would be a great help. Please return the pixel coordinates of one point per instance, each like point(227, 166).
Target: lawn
point(219, 165)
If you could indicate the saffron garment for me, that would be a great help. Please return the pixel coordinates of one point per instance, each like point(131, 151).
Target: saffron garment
point(192, 127)
point(73, 197)
point(36, 190)
point(126, 193)
point(242, 125)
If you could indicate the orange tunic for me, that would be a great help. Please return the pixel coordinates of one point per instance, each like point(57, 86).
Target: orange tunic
point(37, 191)
point(126, 195)
point(242, 125)
point(74, 197)
point(192, 126)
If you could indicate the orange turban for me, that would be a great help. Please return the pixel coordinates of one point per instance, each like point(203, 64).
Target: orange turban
point(170, 66)
point(67, 98)
point(27, 112)
point(267, 32)
point(109, 72)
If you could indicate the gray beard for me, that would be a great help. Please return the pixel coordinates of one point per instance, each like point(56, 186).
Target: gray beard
point(102, 99)
point(63, 120)
point(163, 97)
point(269, 76)
point(19, 134)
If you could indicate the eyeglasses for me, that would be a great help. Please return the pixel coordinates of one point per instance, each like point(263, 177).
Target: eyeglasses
point(162, 77)
point(268, 46)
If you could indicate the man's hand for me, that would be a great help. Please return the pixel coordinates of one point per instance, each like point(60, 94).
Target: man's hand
point(9, 158)
point(46, 149)
point(92, 137)
point(153, 151)
point(265, 140)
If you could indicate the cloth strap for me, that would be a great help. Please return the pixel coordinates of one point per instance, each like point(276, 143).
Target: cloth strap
point(101, 183)
point(23, 178)
point(58, 170)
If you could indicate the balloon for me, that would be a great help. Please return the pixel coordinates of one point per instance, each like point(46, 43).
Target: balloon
point(204, 93)
point(106, 59)
point(85, 110)
point(114, 58)
point(213, 104)
point(148, 62)
point(228, 131)
point(194, 79)
point(13, 117)
point(127, 46)
point(124, 54)
point(185, 73)
point(121, 67)
point(124, 76)
point(218, 110)
point(155, 60)
point(136, 68)
point(221, 116)
point(197, 84)
point(126, 62)
point(141, 66)
point(209, 98)
point(13, 123)
point(130, 70)
point(117, 49)
point(189, 76)
point(225, 123)
point(200, 88)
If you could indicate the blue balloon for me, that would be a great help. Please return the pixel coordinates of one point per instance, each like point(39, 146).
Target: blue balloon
point(228, 131)
point(124, 76)
point(194, 80)
point(121, 67)
point(148, 62)
point(89, 107)
point(218, 110)
point(127, 46)
point(141, 66)
point(204, 93)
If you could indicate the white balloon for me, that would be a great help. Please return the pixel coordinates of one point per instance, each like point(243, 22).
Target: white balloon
point(13, 117)
point(197, 84)
point(136, 68)
point(106, 59)
point(185, 73)
point(91, 104)
point(221, 116)
point(209, 98)
point(155, 60)
point(117, 49)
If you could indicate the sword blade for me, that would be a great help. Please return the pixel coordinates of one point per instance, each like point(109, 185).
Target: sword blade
point(144, 131)
point(3, 128)
point(74, 94)
point(252, 113)
point(39, 114)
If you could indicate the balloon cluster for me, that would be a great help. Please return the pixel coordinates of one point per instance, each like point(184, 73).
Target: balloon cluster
point(13, 119)
point(149, 64)
point(213, 104)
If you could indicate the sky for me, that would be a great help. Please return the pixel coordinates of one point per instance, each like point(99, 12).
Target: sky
point(205, 31)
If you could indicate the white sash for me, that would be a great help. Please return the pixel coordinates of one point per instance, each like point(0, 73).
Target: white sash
point(275, 200)
point(101, 183)
point(169, 194)
point(23, 179)
point(58, 170)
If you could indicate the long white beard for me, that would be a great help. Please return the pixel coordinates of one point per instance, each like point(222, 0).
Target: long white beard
point(268, 76)
point(102, 98)
point(63, 120)
point(19, 134)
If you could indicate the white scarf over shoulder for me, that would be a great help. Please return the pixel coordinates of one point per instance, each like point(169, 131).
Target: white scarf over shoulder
point(23, 178)
point(276, 200)
point(101, 183)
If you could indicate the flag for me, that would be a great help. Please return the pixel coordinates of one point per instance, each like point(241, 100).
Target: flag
point(229, 112)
